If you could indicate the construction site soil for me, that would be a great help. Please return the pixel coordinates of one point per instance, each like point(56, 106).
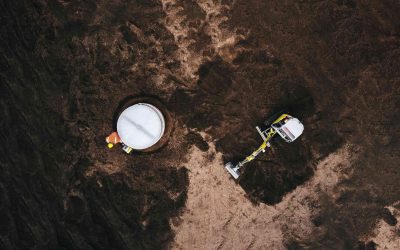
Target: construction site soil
point(220, 68)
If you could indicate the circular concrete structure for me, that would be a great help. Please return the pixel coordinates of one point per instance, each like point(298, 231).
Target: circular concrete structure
point(141, 126)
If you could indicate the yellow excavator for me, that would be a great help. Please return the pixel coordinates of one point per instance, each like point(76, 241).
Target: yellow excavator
point(286, 126)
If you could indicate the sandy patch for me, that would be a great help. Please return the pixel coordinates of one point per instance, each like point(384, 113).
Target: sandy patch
point(385, 235)
point(184, 27)
point(219, 216)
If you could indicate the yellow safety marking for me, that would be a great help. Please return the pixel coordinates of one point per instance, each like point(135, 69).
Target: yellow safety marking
point(280, 118)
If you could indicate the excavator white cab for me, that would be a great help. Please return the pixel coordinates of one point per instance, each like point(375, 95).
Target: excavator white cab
point(289, 128)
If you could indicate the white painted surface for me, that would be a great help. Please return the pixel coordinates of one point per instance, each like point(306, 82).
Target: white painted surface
point(295, 127)
point(140, 126)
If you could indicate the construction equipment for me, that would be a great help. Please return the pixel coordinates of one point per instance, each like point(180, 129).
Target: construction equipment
point(286, 126)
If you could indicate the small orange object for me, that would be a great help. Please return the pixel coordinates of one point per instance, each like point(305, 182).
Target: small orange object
point(113, 139)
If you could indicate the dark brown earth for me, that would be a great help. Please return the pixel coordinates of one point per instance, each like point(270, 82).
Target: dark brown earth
point(66, 65)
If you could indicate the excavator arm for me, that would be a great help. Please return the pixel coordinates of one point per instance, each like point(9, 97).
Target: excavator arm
point(262, 148)
point(295, 126)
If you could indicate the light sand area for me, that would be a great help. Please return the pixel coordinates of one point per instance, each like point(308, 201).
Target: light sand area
point(386, 236)
point(219, 216)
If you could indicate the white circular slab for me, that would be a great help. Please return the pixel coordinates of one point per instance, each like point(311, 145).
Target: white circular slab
point(140, 126)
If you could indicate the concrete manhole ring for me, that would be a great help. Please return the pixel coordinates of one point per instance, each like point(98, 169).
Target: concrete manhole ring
point(129, 101)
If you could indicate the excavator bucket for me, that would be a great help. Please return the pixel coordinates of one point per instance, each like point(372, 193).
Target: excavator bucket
point(233, 169)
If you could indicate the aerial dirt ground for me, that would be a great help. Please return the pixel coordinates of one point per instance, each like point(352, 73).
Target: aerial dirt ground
point(220, 67)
